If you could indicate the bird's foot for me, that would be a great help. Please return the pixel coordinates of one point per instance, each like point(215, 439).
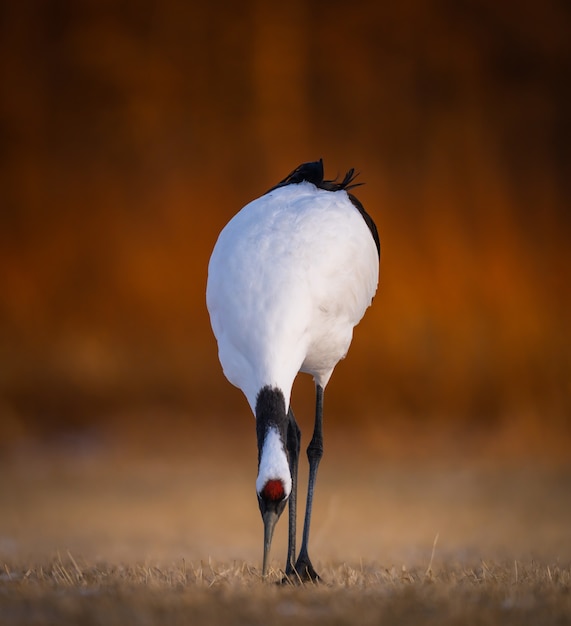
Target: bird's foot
point(301, 573)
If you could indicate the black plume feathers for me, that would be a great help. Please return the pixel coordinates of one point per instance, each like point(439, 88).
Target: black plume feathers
point(312, 172)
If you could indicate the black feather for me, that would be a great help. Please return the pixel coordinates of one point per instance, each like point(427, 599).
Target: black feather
point(312, 172)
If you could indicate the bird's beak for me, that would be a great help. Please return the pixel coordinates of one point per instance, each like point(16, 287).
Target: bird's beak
point(270, 517)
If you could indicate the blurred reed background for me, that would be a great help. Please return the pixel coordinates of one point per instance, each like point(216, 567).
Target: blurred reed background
point(132, 131)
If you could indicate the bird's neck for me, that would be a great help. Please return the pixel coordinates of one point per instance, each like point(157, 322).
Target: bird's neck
point(270, 415)
point(271, 430)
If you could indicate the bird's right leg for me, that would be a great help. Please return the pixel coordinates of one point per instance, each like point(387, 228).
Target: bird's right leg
point(293, 446)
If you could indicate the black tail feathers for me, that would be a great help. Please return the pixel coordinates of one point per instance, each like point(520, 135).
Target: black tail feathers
point(312, 172)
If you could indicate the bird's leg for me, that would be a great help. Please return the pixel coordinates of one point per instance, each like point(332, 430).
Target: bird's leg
point(303, 567)
point(293, 443)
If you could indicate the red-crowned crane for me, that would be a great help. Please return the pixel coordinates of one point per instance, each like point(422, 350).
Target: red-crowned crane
point(290, 276)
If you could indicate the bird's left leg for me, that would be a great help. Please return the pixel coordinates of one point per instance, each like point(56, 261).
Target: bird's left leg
point(293, 444)
point(303, 567)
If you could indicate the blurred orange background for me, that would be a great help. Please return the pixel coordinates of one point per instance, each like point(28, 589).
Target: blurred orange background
point(131, 132)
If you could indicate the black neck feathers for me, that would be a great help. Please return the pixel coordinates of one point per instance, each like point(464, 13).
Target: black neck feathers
point(270, 413)
point(313, 173)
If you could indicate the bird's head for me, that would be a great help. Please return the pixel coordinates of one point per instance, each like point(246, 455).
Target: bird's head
point(271, 500)
point(273, 485)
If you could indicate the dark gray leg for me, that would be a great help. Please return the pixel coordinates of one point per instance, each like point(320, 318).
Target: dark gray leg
point(303, 567)
point(293, 444)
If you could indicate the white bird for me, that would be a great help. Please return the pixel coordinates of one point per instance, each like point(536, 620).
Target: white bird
point(289, 278)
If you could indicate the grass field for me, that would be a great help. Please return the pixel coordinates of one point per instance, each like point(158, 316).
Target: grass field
point(103, 536)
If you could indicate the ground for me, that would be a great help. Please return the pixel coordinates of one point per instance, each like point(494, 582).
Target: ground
point(96, 534)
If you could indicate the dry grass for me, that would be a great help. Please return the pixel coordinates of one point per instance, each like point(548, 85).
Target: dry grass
point(100, 539)
point(65, 591)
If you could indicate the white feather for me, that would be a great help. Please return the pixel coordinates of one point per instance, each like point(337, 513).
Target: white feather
point(290, 276)
point(273, 463)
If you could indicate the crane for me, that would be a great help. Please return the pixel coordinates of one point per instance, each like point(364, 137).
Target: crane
point(290, 276)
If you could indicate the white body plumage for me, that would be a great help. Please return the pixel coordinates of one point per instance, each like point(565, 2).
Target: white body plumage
point(290, 276)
